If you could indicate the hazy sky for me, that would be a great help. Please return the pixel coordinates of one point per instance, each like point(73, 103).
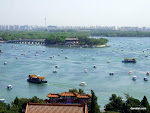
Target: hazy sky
point(75, 12)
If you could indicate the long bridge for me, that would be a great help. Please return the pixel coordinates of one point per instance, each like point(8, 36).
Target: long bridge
point(27, 41)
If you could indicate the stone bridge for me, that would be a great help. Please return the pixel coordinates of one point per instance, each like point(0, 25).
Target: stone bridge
point(28, 41)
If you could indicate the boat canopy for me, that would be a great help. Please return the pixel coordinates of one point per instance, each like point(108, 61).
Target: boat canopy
point(32, 75)
point(130, 59)
point(41, 77)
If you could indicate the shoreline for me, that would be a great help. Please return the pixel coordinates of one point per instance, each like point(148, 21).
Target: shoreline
point(78, 46)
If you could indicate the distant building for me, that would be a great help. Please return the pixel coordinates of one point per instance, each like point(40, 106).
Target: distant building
point(71, 41)
point(25, 27)
point(11, 27)
point(51, 27)
point(16, 27)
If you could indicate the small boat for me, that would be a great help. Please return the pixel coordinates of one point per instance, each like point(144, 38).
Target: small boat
point(86, 56)
point(36, 79)
point(54, 71)
point(36, 54)
point(111, 73)
point(130, 73)
point(9, 87)
point(94, 66)
point(5, 63)
point(108, 61)
point(51, 56)
point(145, 79)
point(23, 53)
point(56, 66)
point(85, 70)
point(2, 100)
point(127, 60)
point(66, 57)
point(134, 78)
point(148, 73)
point(83, 84)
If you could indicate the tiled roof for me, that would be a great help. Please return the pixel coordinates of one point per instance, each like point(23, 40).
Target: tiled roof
point(71, 94)
point(84, 96)
point(53, 95)
point(68, 94)
point(56, 108)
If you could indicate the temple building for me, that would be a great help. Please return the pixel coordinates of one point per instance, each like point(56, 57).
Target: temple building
point(68, 97)
point(71, 41)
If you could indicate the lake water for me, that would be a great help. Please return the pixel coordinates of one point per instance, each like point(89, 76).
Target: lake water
point(71, 71)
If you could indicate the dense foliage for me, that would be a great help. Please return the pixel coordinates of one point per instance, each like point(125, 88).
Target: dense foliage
point(131, 105)
point(15, 35)
point(120, 33)
point(75, 90)
point(52, 37)
point(18, 105)
point(92, 41)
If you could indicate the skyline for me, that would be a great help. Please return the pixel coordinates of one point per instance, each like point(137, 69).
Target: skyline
point(75, 13)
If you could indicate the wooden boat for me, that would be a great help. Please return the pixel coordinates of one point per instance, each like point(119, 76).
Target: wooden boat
point(36, 79)
point(127, 60)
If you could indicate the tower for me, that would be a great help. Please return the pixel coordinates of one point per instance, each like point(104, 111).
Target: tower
point(45, 21)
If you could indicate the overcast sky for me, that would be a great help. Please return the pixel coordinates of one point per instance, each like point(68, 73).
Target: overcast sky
point(75, 12)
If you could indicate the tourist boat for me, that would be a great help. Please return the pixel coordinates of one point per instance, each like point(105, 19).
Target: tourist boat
point(127, 60)
point(134, 78)
point(83, 84)
point(145, 79)
point(36, 79)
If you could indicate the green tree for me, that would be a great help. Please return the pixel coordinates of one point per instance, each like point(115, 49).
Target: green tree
point(144, 103)
point(115, 104)
point(75, 90)
point(94, 107)
point(131, 102)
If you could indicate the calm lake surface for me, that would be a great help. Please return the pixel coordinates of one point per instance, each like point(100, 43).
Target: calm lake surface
point(71, 71)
